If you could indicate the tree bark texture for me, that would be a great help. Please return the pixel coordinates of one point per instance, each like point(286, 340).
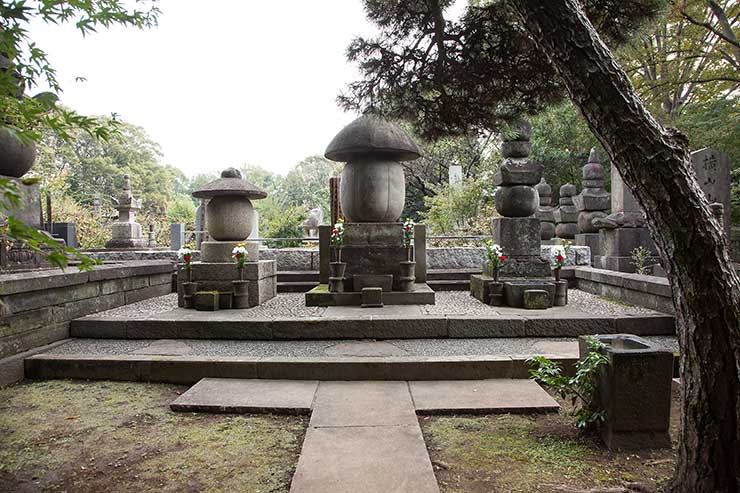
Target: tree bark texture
point(656, 165)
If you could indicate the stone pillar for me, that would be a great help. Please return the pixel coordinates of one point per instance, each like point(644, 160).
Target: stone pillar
point(126, 232)
point(593, 202)
point(177, 236)
point(566, 215)
point(335, 206)
point(455, 176)
point(545, 212)
point(712, 169)
point(518, 230)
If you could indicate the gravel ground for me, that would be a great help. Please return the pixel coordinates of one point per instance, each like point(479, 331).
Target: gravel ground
point(448, 302)
point(411, 347)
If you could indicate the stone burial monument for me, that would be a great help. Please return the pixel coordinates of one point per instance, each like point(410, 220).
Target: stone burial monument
point(126, 232)
point(712, 169)
point(229, 220)
point(372, 260)
point(526, 281)
point(593, 202)
point(622, 231)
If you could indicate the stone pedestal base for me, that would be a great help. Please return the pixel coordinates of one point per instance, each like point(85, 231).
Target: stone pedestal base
point(591, 240)
point(620, 242)
point(262, 277)
point(520, 239)
point(512, 292)
point(220, 251)
point(420, 294)
point(127, 235)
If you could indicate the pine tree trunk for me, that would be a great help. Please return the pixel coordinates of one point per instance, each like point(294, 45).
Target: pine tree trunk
point(656, 165)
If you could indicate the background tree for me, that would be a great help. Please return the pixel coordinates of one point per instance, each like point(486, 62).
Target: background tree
point(516, 55)
point(684, 57)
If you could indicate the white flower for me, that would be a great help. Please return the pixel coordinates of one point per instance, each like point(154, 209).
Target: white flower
point(184, 251)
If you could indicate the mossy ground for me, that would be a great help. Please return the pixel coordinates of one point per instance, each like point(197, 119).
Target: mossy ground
point(540, 453)
point(115, 436)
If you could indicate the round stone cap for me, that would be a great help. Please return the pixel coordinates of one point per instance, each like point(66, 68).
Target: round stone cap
point(543, 188)
point(231, 183)
point(568, 190)
point(370, 136)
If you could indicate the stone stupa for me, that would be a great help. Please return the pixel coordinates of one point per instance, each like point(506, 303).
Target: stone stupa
point(372, 195)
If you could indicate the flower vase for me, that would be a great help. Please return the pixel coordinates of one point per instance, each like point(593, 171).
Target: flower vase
point(495, 273)
point(556, 272)
point(408, 276)
point(241, 293)
point(336, 276)
point(409, 254)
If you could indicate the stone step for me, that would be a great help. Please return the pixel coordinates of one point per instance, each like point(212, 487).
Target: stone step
point(451, 274)
point(296, 287)
point(187, 361)
point(298, 276)
point(401, 322)
point(450, 285)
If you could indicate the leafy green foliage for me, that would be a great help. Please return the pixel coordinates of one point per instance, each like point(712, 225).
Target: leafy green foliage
point(464, 210)
point(478, 72)
point(286, 224)
point(13, 230)
point(581, 389)
point(639, 257)
point(24, 65)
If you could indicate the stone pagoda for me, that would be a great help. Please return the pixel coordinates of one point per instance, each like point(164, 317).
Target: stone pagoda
point(593, 202)
point(526, 281)
point(566, 214)
point(229, 220)
point(545, 212)
point(375, 268)
point(126, 231)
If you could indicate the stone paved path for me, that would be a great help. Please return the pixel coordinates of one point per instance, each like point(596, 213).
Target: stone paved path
point(364, 436)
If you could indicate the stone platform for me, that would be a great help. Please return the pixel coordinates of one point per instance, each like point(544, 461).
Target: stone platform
point(186, 361)
point(218, 276)
point(421, 294)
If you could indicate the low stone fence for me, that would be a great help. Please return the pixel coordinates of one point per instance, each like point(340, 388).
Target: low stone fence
point(646, 291)
point(36, 307)
point(307, 259)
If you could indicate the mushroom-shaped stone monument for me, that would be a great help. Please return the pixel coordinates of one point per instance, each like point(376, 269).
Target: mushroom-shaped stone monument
point(229, 220)
point(372, 193)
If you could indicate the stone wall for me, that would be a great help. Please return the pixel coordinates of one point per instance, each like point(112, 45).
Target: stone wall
point(646, 291)
point(307, 259)
point(37, 307)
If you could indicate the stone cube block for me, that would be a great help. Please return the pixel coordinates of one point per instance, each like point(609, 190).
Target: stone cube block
point(514, 291)
point(207, 301)
point(620, 242)
point(536, 299)
point(515, 172)
point(517, 235)
point(372, 297)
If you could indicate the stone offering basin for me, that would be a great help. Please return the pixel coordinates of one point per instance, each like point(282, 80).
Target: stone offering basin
point(635, 391)
point(514, 290)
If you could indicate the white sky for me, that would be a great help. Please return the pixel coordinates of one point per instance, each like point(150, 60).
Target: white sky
point(219, 83)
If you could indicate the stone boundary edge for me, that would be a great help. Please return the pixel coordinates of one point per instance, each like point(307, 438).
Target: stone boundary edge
point(376, 327)
point(646, 291)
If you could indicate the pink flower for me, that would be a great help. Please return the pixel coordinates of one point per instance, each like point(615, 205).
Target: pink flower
point(502, 258)
point(186, 258)
point(560, 258)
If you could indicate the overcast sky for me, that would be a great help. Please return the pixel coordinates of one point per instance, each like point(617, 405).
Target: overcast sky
point(219, 83)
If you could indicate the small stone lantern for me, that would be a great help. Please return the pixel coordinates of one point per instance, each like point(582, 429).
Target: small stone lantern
point(373, 185)
point(229, 215)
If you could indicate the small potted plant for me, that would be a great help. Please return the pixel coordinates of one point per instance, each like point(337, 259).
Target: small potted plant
point(408, 267)
point(241, 287)
point(337, 267)
point(495, 258)
point(185, 254)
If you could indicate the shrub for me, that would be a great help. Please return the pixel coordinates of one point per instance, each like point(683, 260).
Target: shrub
point(581, 390)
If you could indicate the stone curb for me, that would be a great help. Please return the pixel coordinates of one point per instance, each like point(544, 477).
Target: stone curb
point(190, 369)
point(373, 327)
